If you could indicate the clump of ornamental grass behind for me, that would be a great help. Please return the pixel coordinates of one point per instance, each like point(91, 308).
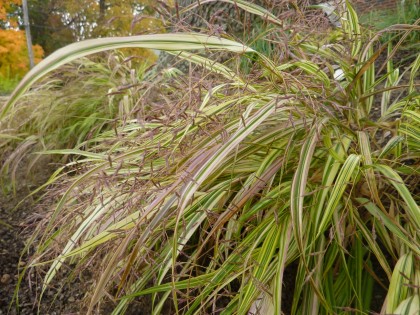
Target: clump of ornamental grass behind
point(309, 160)
point(67, 107)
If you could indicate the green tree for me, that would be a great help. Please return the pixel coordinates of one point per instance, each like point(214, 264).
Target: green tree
point(47, 26)
point(58, 23)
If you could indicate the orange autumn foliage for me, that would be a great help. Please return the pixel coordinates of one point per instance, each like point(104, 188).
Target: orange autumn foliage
point(14, 61)
point(5, 6)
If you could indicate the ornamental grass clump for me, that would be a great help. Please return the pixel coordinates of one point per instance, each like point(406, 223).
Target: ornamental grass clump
point(224, 180)
point(67, 107)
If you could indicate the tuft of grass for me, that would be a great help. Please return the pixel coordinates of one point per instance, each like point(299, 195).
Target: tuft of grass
point(225, 178)
point(68, 107)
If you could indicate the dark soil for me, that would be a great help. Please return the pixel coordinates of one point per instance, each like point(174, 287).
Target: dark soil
point(18, 217)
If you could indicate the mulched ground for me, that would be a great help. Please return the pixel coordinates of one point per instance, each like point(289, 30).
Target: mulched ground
point(17, 213)
point(19, 216)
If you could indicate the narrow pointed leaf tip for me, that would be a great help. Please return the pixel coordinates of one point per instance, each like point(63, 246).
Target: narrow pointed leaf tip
point(169, 42)
point(245, 5)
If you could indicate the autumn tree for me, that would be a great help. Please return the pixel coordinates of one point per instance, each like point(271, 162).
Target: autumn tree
point(9, 13)
point(14, 61)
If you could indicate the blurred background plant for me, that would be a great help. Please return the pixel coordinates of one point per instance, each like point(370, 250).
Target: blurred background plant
point(406, 12)
point(218, 185)
point(75, 103)
point(14, 62)
point(7, 84)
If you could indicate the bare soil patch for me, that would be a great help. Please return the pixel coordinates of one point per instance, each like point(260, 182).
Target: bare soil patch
point(18, 216)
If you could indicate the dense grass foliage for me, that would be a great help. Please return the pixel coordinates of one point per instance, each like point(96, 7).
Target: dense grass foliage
point(219, 180)
point(67, 107)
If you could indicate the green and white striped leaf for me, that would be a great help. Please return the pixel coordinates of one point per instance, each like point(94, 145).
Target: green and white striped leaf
point(350, 22)
point(390, 145)
point(394, 179)
point(245, 5)
point(390, 224)
point(300, 179)
point(250, 291)
point(348, 169)
point(334, 161)
point(313, 69)
point(410, 306)
point(213, 66)
point(249, 125)
point(398, 288)
point(169, 42)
